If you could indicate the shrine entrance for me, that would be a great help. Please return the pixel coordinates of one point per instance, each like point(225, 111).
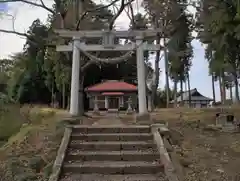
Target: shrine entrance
point(113, 102)
point(139, 43)
point(112, 94)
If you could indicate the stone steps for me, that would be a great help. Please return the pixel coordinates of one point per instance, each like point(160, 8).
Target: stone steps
point(111, 129)
point(113, 136)
point(112, 145)
point(146, 155)
point(113, 167)
point(126, 177)
point(112, 153)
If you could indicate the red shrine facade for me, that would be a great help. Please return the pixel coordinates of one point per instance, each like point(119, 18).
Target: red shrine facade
point(112, 94)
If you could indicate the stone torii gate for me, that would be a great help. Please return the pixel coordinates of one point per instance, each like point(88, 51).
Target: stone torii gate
point(108, 45)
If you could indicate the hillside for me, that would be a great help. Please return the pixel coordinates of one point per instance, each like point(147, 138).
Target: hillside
point(29, 137)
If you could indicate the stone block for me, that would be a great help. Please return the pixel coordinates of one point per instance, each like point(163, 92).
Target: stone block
point(95, 112)
point(144, 119)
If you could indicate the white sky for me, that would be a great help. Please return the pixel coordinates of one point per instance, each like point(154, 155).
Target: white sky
point(24, 16)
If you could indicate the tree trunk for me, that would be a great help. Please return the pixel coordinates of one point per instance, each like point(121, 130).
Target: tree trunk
point(231, 94)
point(157, 72)
point(175, 93)
point(236, 89)
point(221, 89)
point(81, 95)
point(81, 101)
point(235, 77)
point(213, 89)
point(181, 89)
point(64, 96)
point(166, 73)
point(189, 90)
point(68, 103)
point(224, 93)
point(52, 95)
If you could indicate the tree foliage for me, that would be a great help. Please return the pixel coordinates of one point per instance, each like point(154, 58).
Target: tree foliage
point(218, 27)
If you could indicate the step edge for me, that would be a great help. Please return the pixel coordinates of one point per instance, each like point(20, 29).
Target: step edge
point(79, 165)
point(102, 153)
point(112, 134)
point(113, 142)
point(110, 126)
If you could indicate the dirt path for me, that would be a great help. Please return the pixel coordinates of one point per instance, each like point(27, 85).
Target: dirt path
point(110, 119)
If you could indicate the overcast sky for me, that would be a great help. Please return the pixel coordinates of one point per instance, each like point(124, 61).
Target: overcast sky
point(25, 15)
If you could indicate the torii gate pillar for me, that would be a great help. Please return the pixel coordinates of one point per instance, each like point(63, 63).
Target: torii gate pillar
point(74, 98)
point(142, 97)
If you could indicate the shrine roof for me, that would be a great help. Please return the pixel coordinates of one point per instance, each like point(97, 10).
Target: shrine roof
point(111, 85)
point(112, 93)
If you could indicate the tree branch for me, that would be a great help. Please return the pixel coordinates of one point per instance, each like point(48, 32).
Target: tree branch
point(121, 9)
point(29, 39)
point(129, 12)
point(116, 15)
point(92, 10)
point(132, 14)
point(42, 5)
point(85, 66)
point(14, 32)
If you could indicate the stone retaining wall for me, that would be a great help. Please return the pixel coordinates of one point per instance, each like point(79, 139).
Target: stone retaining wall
point(162, 143)
point(60, 155)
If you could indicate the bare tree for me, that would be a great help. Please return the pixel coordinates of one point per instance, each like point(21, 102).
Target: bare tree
point(61, 12)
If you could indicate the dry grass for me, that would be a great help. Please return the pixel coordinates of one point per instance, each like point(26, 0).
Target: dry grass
point(31, 137)
point(204, 155)
point(191, 114)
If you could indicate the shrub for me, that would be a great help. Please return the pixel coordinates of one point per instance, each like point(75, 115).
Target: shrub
point(10, 121)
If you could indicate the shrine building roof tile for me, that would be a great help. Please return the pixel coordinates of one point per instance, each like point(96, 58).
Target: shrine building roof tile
point(112, 93)
point(111, 85)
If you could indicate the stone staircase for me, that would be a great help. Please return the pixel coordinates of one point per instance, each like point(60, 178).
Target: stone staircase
point(123, 153)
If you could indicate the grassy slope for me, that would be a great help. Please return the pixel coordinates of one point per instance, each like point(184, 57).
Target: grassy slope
point(30, 139)
point(206, 115)
point(204, 154)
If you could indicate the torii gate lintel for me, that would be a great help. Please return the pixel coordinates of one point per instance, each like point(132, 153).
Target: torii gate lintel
point(100, 33)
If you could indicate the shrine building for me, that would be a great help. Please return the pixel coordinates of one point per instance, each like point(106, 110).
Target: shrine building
point(112, 95)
